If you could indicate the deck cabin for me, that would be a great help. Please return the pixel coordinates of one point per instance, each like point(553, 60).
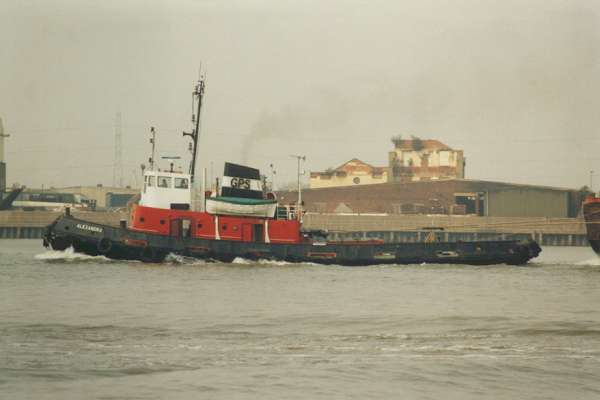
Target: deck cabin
point(165, 207)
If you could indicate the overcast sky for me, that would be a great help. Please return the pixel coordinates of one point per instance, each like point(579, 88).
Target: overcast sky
point(515, 84)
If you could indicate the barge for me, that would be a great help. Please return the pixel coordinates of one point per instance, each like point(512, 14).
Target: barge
point(591, 215)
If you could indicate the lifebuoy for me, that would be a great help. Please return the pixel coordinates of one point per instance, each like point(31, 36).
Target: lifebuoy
point(104, 245)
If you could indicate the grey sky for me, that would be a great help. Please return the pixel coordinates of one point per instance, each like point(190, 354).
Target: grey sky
point(514, 83)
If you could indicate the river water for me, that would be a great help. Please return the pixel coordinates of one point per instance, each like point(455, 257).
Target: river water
point(75, 327)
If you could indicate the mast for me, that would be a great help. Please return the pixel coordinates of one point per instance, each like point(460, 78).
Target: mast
point(197, 95)
point(299, 204)
point(153, 141)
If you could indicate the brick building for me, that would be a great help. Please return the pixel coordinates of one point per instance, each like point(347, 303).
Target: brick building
point(420, 160)
point(351, 173)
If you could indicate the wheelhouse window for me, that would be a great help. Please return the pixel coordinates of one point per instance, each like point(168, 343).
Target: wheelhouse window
point(181, 183)
point(150, 180)
point(164, 181)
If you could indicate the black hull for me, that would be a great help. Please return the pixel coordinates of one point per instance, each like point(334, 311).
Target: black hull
point(595, 243)
point(121, 243)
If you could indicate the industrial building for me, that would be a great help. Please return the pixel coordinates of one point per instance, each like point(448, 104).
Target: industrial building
point(450, 197)
point(103, 197)
point(426, 176)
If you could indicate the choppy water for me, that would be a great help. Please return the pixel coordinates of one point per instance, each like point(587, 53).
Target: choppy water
point(75, 327)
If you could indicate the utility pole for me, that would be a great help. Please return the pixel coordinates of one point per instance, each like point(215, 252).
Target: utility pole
point(299, 206)
point(211, 175)
point(2, 162)
point(118, 160)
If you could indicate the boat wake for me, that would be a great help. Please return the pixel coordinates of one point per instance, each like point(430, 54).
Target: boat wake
point(173, 258)
point(591, 262)
point(244, 261)
point(68, 255)
point(266, 262)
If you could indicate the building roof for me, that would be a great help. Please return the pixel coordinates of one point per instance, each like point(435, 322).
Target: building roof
point(353, 165)
point(437, 182)
point(383, 198)
point(355, 161)
point(428, 144)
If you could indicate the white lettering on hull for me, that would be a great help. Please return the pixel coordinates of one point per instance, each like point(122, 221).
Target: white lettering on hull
point(90, 228)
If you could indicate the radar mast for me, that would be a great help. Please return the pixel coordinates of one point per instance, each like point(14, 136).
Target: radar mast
point(197, 96)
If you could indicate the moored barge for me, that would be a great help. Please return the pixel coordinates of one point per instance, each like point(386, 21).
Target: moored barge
point(591, 214)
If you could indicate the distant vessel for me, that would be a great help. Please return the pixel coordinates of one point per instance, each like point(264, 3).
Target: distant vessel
point(7, 201)
point(591, 214)
point(49, 200)
point(241, 220)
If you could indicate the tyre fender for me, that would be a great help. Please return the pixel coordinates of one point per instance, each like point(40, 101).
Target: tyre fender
point(104, 245)
point(60, 243)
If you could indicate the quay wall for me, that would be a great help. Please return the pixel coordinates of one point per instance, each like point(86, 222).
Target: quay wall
point(394, 222)
point(391, 228)
point(415, 228)
point(31, 224)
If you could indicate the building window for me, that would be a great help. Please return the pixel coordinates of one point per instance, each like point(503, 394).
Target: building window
point(199, 226)
point(356, 180)
point(181, 183)
point(162, 221)
point(224, 227)
point(164, 181)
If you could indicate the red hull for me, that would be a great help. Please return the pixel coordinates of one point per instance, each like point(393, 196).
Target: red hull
point(202, 225)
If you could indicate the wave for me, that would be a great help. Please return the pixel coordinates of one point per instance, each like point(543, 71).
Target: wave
point(567, 331)
point(68, 255)
point(178, 259)
point(591, 262)
point(244, 261)
point(277, 263)
point(240, 260)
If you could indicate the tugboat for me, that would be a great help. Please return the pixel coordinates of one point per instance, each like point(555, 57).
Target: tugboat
point(240, 220)
point(591, 214)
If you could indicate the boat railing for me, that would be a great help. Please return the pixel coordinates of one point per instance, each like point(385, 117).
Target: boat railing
point(286, 212)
